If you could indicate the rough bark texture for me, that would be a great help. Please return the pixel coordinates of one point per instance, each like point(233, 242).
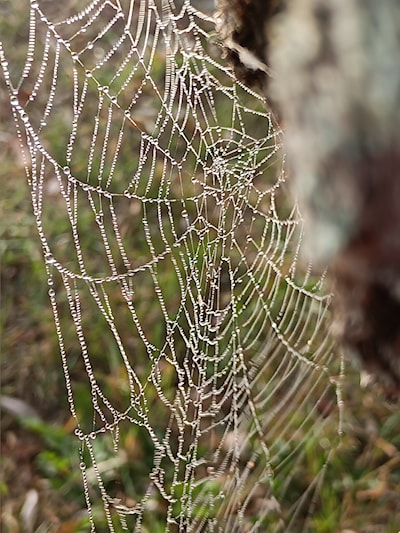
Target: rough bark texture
point(243, 26)
point(334, 68)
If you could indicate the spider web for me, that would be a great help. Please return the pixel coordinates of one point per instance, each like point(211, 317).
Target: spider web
point(193, 342)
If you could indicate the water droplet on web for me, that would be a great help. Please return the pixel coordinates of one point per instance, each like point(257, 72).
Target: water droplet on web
point(24, 117)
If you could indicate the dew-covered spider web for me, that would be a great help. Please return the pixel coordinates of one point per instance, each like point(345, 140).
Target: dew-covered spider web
point(193, 339)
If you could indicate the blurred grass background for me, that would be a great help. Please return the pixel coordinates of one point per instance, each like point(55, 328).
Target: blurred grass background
point(41, 488)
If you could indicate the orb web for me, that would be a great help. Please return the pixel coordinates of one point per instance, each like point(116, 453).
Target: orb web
point(193, 341)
